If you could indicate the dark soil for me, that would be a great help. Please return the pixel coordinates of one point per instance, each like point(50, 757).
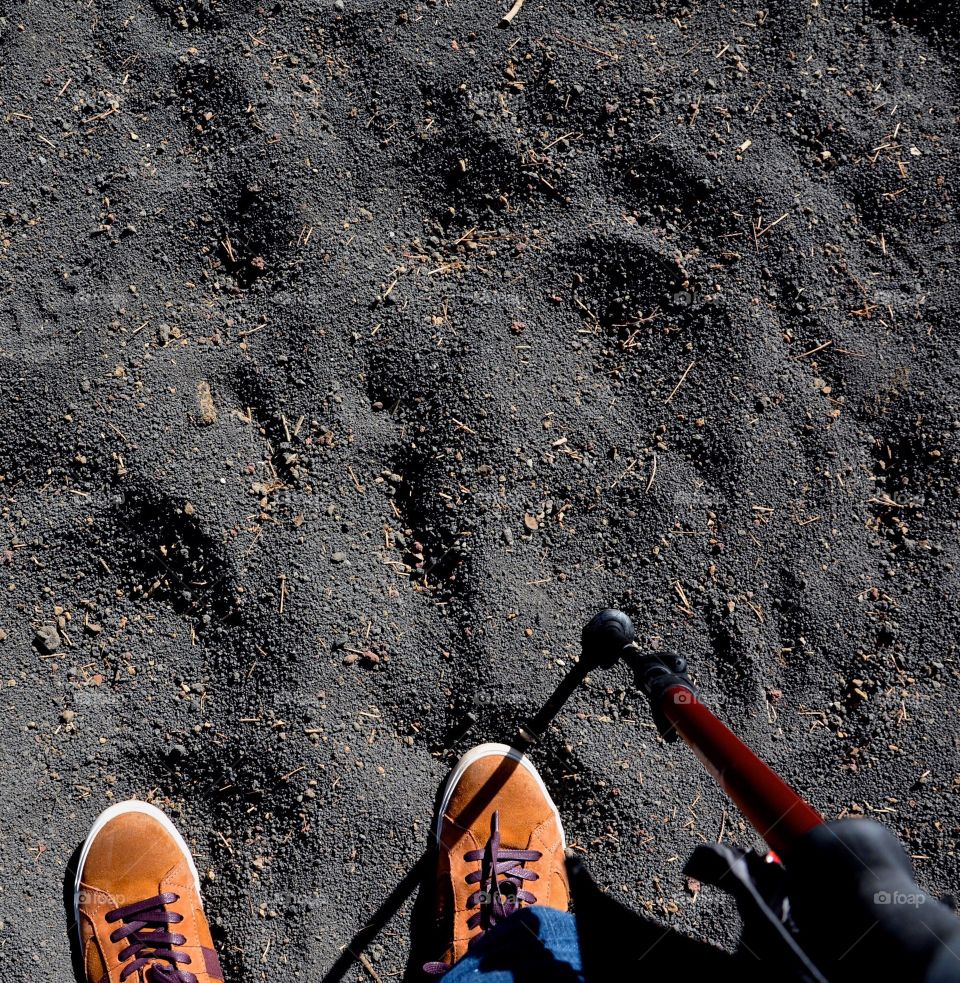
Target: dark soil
point(352, 355)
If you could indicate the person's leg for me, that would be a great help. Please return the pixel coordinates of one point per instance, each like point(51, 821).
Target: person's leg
point(137, 902)
point(500, 853)
point(536, 944)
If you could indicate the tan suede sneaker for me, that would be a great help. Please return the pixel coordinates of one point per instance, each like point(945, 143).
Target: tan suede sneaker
point(137, 902)
point(501, 846)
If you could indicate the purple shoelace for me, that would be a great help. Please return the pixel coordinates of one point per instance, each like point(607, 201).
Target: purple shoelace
point(501, 888)
point(149, 944)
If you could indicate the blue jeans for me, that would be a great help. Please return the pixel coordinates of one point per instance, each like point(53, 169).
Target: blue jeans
point(535, 944)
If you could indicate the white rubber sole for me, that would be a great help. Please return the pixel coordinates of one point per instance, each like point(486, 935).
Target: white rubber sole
point(486, 751)
point(120, 809)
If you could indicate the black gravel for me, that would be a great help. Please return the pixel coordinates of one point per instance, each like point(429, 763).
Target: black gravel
point(352, 355)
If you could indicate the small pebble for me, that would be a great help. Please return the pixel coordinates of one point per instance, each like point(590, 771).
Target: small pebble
point(47, 639)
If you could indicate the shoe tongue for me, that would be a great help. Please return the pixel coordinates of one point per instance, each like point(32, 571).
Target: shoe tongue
point(515, 829)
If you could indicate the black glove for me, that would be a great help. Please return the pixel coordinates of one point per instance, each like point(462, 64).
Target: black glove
point(861, 915)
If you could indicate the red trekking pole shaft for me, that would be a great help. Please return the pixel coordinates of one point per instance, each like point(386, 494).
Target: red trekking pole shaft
point(774, 809)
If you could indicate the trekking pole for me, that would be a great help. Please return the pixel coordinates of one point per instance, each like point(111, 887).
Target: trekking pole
point(779, 814)
point(774, 809)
